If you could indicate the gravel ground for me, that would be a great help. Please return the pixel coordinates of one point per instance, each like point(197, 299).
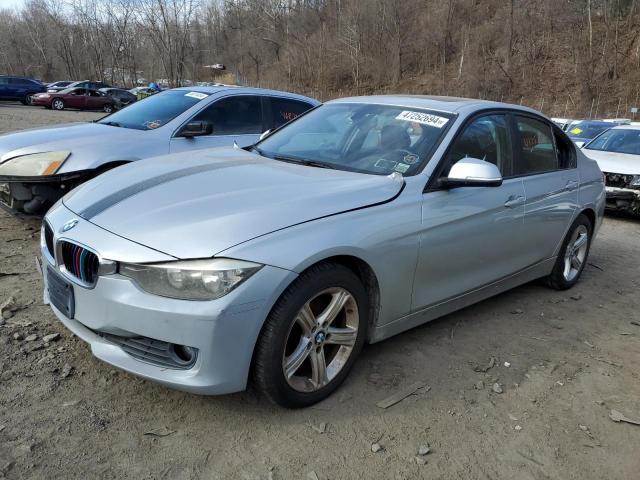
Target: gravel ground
point(563, 361)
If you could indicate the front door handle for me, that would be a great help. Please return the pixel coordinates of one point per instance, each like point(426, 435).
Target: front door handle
point(571, 185)
point(514, 200)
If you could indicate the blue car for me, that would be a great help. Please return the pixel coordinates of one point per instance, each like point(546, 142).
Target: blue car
point(583, 131)
point(19, 88)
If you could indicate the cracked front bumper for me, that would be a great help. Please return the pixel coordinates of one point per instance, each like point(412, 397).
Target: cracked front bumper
point(623, 199)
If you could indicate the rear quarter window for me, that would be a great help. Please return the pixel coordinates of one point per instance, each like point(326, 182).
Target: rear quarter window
point(284, 110)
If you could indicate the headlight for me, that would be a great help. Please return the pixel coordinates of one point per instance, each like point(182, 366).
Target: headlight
point(34, 165)
point(191, 279)
point(635, 181)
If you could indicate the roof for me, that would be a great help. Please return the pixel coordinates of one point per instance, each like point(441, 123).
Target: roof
point(246, 90)
point(591, 122)
point(432, 102)
point(627, 127)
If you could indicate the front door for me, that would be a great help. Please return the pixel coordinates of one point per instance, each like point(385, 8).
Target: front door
point(472, 236)
point(546, 162)
point(236, 118)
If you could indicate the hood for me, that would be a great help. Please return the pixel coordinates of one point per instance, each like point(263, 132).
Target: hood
point(612, 162)
point(91, 144)
point(197, 204)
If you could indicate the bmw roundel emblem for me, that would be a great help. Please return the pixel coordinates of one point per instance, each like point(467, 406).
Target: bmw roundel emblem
point(69, 225)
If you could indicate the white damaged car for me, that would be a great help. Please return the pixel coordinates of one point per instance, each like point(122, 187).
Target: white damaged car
point(617, 152)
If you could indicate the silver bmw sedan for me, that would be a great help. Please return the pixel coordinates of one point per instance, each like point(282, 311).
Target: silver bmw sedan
point(276, 263)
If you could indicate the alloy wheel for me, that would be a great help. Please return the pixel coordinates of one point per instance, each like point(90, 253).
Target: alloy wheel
point(58, 104)
point(321, 340)
point(576, 252)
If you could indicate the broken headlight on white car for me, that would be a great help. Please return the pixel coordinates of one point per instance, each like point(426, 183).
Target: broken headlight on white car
point(191, 279)
point(34, 164)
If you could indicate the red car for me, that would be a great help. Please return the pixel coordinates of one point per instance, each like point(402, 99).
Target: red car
point(80, 98)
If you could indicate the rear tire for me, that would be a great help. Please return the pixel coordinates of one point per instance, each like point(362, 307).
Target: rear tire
point(573, 255)
point(57, 104)
point(306, 349)
point(107, 108)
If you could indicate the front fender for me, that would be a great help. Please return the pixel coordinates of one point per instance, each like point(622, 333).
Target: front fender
point(386, 237)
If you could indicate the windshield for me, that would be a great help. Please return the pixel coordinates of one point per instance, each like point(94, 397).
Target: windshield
point(587, 130)
point(70, 90)
point(155, 111)
point(618, 141)
point(375, 139)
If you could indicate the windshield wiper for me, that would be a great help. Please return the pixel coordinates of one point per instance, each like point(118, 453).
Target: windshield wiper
point(258, 150)
point(300, 161)
point(113, 124)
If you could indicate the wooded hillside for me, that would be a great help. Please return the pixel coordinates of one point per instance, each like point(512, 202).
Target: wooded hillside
point(565, 57)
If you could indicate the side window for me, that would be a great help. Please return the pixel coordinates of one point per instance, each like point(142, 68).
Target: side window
point(566, 150)
point(284, 110)
point(236, 115)
point(4, 81)
point(536, 152)
point(486, 138)
point(16, 81)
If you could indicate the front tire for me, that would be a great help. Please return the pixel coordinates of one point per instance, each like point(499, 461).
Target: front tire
point(573, 255)
point(107, 108)
point(57, 104)
point(312, 337)
point(27, 99)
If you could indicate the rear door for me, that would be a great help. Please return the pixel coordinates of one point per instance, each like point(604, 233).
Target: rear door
point(4, 87)
point(472, 236)
point(17, 87)
point(546, 162)
point(76, 98)
point(94, 100)
point(236, 118)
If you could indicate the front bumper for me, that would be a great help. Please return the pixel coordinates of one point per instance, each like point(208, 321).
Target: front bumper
point(224, 330)
point(623, 199)
point(42, 102)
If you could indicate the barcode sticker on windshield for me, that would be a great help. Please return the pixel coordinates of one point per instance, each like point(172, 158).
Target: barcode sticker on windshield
point(197, 95)
point(423, 118)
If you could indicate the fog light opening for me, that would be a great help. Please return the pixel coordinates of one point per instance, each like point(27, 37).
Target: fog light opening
point(184, 354)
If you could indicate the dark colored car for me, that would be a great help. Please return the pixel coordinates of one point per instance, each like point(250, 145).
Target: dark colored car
point(57, 86)
point(122, 97)
point(19, 88)
point(84, 84)
point(79, 98)
point(583, 131)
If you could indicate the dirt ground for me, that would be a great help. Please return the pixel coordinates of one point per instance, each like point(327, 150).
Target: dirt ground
point(564, 361)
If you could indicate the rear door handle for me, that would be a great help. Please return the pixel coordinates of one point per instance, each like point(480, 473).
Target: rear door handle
point(514, 200)
point(571, 185)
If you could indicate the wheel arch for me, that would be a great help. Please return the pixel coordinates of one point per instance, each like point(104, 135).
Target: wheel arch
point(361, 269)
point(591, 215)
point(369, 280)
point(110, 165)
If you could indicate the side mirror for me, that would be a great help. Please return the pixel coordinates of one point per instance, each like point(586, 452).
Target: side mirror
point(265, 134)
point(472, 172)
point(196, 129)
